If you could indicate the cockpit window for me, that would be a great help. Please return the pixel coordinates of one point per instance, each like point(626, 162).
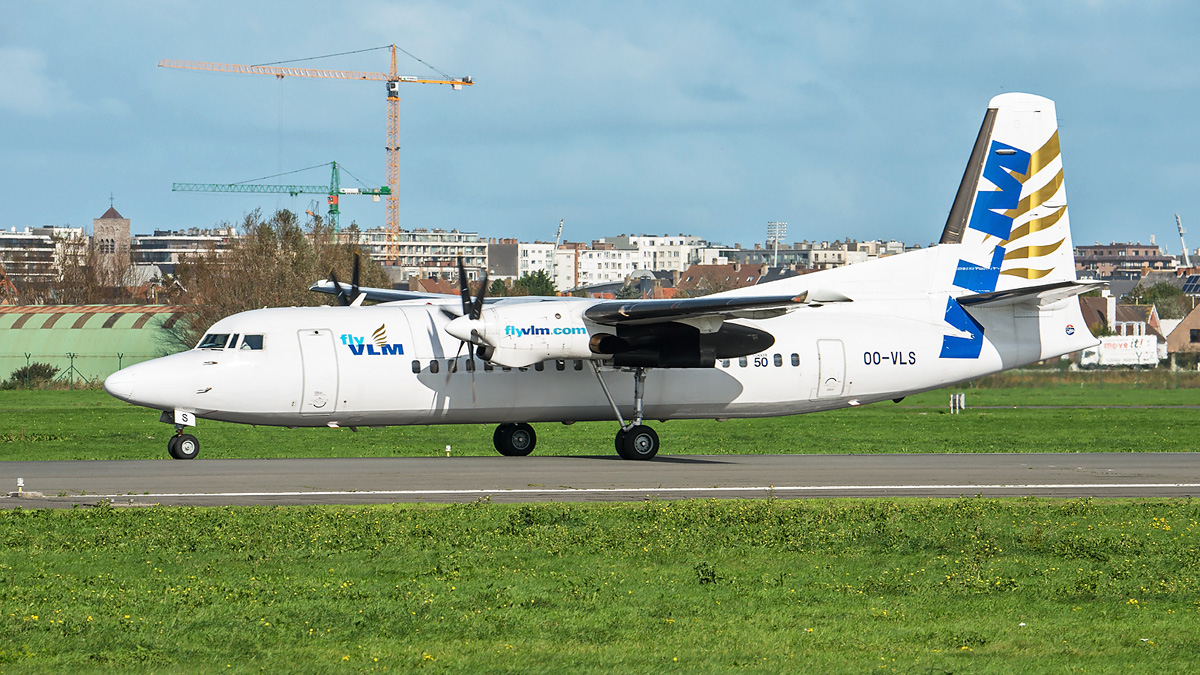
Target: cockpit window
point(254, 342)
point(214, 341)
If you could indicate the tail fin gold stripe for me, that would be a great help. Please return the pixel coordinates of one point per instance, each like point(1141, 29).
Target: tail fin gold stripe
point(1042, 157)
point(1026, 273)
point(1033, 251)
point(1037, 198)
point(1038, 225)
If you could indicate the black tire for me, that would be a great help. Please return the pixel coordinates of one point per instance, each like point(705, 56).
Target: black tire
point(639, 443)
point(620, 443)
point(514, 440)
point(186, 447)
point(171, 443)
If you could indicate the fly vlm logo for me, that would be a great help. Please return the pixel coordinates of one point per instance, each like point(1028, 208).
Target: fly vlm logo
point(517, 331)
point(359, 345)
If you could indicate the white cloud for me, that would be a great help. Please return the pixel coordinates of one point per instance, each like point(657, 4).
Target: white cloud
point(26, 87)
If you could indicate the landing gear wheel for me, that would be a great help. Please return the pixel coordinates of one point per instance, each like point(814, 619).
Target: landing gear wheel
point(514, 440)
point(183, 446)
point(637, 442)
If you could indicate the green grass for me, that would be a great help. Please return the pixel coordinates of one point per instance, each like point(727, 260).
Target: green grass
point(976, 585)
point(89, 424)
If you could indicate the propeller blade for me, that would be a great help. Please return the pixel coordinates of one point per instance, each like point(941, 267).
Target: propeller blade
point(354, 278)
point(477, 307)
point(341, 294)
point(470, 308)
point(463, 289)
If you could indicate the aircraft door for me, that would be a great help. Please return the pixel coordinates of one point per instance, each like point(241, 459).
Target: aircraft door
point(319, 361)
point(831, 355)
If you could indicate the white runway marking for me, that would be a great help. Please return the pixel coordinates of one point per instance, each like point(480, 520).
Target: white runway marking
point(666, 490)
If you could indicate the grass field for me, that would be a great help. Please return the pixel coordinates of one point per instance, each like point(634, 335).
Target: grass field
point(89, 424)
point(931, 586)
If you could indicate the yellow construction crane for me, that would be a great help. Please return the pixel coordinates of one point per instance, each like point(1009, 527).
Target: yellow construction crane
point(393, 116)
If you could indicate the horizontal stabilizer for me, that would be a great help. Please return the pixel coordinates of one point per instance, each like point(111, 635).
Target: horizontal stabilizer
point(1036, 296)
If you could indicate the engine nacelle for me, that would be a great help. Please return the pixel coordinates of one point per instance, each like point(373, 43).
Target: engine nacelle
point(679, 345)
point(519, 335)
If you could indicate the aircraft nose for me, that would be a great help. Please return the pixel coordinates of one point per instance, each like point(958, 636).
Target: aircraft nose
point(120, 384)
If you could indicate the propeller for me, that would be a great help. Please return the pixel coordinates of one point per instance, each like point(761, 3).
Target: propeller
point(344, 299)
point(472, 309)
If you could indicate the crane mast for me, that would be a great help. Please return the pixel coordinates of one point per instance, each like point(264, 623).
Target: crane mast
point(554, 252)
point(392, 80)
point(1179, 223)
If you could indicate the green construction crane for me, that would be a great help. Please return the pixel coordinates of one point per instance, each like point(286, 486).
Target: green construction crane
point(333, 191)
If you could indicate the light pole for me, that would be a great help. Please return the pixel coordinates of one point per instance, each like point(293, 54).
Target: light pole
point(776, 230)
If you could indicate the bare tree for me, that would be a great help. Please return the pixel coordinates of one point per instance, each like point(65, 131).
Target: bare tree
point(271, 265)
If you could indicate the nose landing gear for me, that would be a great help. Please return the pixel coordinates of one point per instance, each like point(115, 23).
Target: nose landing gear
point(183, 446)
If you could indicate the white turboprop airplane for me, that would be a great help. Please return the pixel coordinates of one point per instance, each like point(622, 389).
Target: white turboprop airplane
point(997, 292)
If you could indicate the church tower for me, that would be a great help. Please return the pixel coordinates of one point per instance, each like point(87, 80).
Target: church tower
point(110, 235)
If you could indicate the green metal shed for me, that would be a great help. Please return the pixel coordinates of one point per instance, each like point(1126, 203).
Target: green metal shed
point(102, 338)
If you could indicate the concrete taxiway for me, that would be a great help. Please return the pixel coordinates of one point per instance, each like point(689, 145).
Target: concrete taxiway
point(212, 482)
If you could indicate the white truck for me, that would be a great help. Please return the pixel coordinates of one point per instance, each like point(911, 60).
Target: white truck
point(1122, 350)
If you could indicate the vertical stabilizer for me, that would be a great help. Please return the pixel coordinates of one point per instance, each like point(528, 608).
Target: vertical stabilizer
point(1010, 213)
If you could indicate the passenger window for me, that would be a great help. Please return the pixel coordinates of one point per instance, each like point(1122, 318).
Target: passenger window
point(252, 342)
point(578, 364)
point(470, 365)
point(539, 366)
point(451, 366)
point(214, 341)
point(560, 365)
point(506, 369)
point(487, 367)
point(433, 366)
point(795, 359)
point(724, 363)
point(416, 366)
point(778, 360)
point(742, 362)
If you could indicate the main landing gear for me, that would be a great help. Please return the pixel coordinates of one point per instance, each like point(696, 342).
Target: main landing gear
point(514, 440)
point(634, 440)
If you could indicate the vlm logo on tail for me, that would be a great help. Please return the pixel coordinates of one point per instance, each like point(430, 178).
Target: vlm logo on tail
point(360, 347)
point(1018, 196)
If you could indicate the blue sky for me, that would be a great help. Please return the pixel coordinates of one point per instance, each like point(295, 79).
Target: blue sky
point(845, 119)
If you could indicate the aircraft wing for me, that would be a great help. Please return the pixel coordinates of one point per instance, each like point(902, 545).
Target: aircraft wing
point(381, 294)
point(612, 312)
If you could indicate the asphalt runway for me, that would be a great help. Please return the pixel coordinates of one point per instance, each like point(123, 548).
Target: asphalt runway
point(213, 482)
